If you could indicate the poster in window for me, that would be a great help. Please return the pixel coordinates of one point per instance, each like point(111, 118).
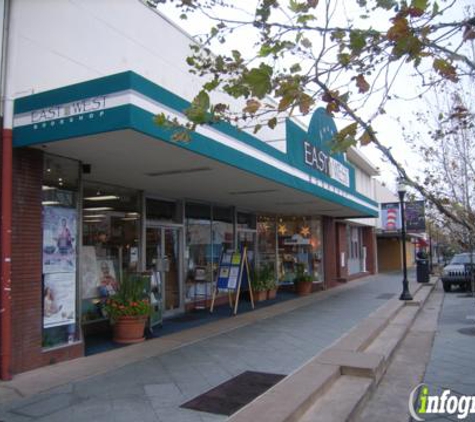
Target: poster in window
point(108, 284)
point(59, 240)
point(90, 277)
point(59, 299)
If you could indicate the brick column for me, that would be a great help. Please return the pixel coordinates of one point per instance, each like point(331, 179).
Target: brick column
point(27, 262)
point(27, 259)
point(369, 242)
point(342, 247)
point(329, 251)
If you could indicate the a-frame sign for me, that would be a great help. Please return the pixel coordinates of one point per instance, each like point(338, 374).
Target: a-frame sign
point(233, 276)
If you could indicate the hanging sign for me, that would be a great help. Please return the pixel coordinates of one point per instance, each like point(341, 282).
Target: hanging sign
point(233, 276)
point(415, 216)
point(390, 216)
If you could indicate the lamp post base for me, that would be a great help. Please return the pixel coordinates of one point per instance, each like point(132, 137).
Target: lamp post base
point(405, 295)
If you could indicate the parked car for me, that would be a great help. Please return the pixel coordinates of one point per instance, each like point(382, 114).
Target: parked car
point(459, 271)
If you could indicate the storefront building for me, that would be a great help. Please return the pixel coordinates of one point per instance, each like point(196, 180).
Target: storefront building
point(101, 191)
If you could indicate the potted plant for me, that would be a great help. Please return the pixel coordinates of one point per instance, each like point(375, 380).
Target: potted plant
point(303, 281)
point(259, 286)
point(129, 309)
point(267, 273)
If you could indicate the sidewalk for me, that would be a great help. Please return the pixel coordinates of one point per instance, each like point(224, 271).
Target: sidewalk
point(438, 351)
point(152, 387)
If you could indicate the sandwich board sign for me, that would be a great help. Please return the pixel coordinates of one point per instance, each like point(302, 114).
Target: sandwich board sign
point(233, 276)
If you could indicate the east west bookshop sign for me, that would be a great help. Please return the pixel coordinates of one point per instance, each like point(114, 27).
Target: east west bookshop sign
point(313, 148)
point(63, 111)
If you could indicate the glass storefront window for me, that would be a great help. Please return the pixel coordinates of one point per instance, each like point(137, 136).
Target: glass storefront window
point(60, 246)
point(111, 222)
point(299, 242)
point(246, 221)
point(160, 210)
point(199, 252)
point(266, 238)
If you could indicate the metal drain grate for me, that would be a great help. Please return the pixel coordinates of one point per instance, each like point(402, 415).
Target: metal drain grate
point(230, 396)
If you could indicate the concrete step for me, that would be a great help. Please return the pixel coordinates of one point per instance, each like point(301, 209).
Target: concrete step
point(292, 396)
point(342, 401)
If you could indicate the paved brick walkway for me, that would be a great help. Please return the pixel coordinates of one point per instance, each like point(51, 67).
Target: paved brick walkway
point(452, 361)
point(153, 389)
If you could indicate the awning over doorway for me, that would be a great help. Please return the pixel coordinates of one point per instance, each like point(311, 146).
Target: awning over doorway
point(108, 123)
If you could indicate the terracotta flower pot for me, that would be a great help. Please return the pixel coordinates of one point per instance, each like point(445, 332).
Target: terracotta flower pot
point(260, 295)
point(272, 293)
point(303, 287)
point(129, 329)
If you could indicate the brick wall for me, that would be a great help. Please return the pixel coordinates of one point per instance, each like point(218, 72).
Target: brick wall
point(329, 251)
point(27, 267)
point(342, 247)
point(369, 241)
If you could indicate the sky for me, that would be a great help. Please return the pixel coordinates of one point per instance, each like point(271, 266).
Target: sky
point(388, 126)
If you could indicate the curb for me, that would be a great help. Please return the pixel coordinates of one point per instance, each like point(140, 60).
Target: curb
point(350, 368)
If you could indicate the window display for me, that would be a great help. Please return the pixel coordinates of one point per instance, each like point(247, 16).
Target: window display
point(266, 238)
point(60, 235)
point(199, 252)
point(299, 242)
point(111, 221)
point(209, 232)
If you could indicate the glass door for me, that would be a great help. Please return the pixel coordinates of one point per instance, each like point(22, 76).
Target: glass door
point(163, 246)
point(247, 238)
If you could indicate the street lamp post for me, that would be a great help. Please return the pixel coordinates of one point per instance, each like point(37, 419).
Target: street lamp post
point(405, 295)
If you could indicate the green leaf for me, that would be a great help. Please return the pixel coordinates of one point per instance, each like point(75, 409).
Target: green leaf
point(160, 119)
point(257, 128)
point(386, 4)
point(420, 4)
point(202, 100)
point(295, 68)
point(357, 41)
point(344, 59)
point(306, 43)
point(258, 80)
point(435, 9)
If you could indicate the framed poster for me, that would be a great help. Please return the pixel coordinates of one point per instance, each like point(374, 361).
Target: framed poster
point(59, 299)
point(59, 240)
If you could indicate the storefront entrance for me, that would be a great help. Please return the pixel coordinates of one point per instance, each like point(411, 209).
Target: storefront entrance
point(163, 257)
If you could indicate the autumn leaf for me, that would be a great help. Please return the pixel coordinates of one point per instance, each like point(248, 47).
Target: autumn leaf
point(362, 84)
point(272, 123)
point(445, 69)
point(349, 130)
point(252, 106)
point(399, 30)
point(365, 139)
point(306, 102)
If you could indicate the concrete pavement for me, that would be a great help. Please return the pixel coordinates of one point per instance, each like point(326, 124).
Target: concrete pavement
point(158, 380)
